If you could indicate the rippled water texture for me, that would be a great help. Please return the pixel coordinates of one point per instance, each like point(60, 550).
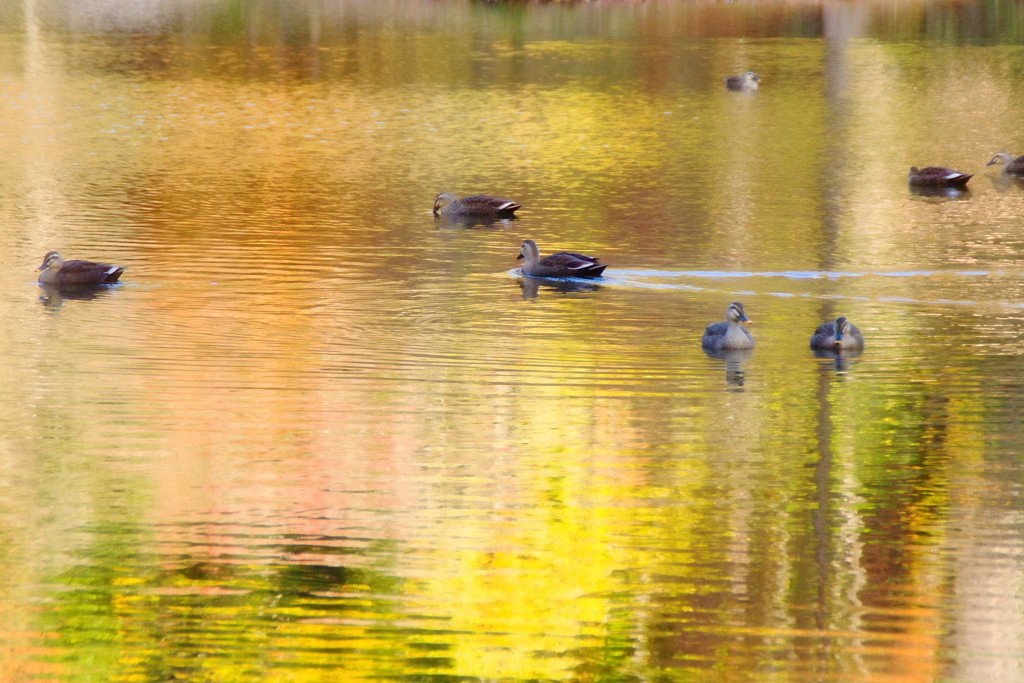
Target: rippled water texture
point(316, 435)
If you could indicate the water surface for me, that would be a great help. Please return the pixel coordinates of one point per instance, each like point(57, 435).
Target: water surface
point(318, 435)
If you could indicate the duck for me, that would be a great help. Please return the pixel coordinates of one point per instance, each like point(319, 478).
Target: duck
point(1011, 166)
point(731, 334)
point(841, 335)
point(57, 271)
point(747, 81)
point(446, 204)
point(937, 176)
point(562, 264)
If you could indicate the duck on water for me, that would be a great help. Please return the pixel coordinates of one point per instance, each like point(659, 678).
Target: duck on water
point(57, 271)
point(729, 335)
point(562, 264)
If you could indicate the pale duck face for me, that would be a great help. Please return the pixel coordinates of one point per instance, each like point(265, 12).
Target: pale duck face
point(529, 247)
point(442, 200)
point(1000, 157)
point(735, 314)
point(52, 260)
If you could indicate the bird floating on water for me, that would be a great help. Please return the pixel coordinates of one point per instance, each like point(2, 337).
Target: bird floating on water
point(1011, 166)
point(731, 334)
point(562, 264)
point(747, 81)
point(57, 271)
point(937, 176)
point(841, 335)
point(446, 204)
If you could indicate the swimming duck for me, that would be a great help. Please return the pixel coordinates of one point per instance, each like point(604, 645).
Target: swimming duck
point(446, 204)
point(57, 271)
point(937, 176)
point(562, 264)
point(1011, 166)
point(747, 81)
point(730, 334)
point(842, 335)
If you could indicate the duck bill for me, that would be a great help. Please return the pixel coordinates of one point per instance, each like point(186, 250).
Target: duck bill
point(520, 257)
point(746, 321)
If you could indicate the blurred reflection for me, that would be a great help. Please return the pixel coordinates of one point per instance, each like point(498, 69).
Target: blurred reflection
point(441, 222)
point(734, 360)
point(841, 359)
point(1007, 183)
point(53, 296)
point(531, 286)
point(939, 193)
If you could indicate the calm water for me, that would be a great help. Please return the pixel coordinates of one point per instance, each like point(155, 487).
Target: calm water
point(317, 436)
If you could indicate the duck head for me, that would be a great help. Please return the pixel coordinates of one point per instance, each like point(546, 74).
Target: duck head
point(1001, 157)
point(442, 200)
point(735, 314)
point(52, 260)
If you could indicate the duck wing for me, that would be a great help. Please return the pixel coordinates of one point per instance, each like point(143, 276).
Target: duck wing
point(483, 202)
point(86, 272)
point(567, 264)
point(567, 257)
point(573, 264)
point(715, 330)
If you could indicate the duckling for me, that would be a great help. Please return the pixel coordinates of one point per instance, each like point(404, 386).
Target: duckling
point(730, 334)
point(446, 204)
point(937, 176)
point(747, 81)
point(57, 271)
point(842, 335)
point(562, 264)
point(1011, 166)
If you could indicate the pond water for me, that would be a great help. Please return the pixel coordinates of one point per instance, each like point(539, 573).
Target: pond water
point(318, 435)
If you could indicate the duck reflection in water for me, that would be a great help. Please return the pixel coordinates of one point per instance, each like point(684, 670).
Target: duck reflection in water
point(734, 359)
point(443, 221)
point(840, 359)
point(531, 286)
point(940, 193)
point(53, 296)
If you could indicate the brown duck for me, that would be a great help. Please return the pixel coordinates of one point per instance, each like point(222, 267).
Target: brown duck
point(446, 204)
point(747, 81)
point(842, 335)
point(57, 271)
point(937, 176)
point(1011, 166)
point(562, 264)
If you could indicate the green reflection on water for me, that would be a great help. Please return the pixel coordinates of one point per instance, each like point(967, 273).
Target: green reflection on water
point(128, 615)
